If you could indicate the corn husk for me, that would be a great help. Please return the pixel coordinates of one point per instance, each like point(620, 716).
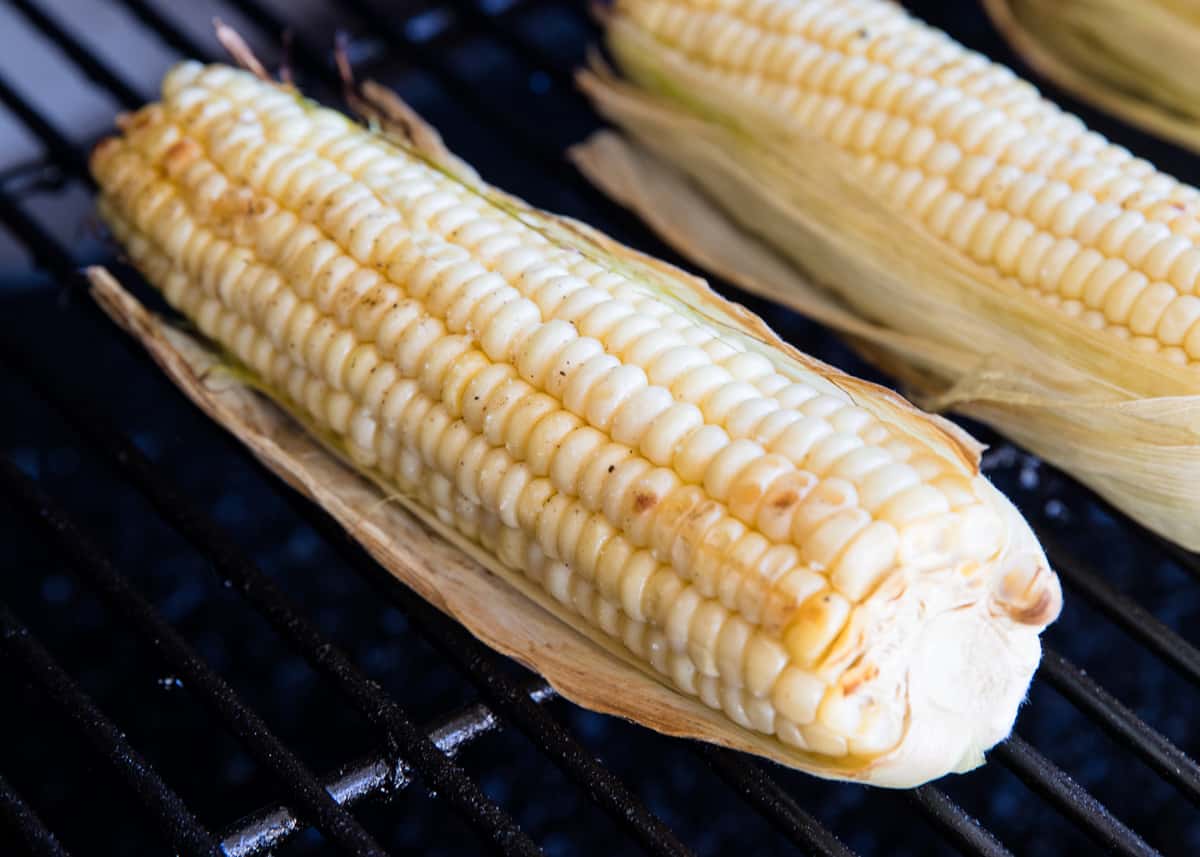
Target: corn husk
point(782, 214)
point(1135, 60)
point(971, 640)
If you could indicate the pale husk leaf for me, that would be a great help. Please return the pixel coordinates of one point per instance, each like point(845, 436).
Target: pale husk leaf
point(780, 215)
point(1134, 60)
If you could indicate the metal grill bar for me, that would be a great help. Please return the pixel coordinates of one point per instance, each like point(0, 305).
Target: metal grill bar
point(46, 250)
point(25, 822)
point(60, 148)
point(270, 828)
point(89, 63)
point(950, 820)
point(425, 58)
point(1188, 561)
point(182, 829)
point(444, 778)
point(1071, 799)
point(1154, 748)
point(85, 557)
point(171, 35)
point(768, 797)
point(1185, 559)
point(29, 169)
point(506, 697)
point(1130, 616)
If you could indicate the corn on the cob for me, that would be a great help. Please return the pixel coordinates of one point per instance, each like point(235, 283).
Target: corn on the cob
point(1134, 60)
point(1062, 249)
point(799, 550)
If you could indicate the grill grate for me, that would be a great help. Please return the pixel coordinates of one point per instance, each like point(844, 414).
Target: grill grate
point(424, 43)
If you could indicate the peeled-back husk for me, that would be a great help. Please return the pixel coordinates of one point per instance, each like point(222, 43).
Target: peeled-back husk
point(1135, 60)
point(970, 666)
point(787, 218)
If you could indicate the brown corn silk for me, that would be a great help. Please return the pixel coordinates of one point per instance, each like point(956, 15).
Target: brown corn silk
point(785, 214)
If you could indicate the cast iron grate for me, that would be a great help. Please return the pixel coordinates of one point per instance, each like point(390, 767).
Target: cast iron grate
point(495, 76)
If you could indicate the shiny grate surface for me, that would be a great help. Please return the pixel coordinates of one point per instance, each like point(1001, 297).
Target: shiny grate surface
point(182, 639)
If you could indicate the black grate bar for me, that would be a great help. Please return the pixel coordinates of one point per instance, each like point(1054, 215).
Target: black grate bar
point(551, 737)
point(31, 175)
point(60, 148)
point(84, 556)
point(271, 827)
point(1187, 560)
point(1134, 619)
point(38, 838)
point(447, 780)
point(1154, 748)
point(954, 823)
point(165, 29)
point(493, 24)
point(94, 67)
point(503, 693)
point(47, 251)
point(182, 828)
point(749, 780)
point(1072, 800)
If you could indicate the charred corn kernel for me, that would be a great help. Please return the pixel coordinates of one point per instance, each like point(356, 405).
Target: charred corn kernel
point(669, 487)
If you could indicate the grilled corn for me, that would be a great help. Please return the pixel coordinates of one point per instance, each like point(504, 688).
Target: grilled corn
point(798, 549)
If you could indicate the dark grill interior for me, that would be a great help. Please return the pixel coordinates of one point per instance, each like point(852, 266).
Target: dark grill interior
point(183, 640)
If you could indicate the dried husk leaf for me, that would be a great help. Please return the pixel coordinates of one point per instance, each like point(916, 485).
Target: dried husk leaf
point(784, 216)
point(1135, 60)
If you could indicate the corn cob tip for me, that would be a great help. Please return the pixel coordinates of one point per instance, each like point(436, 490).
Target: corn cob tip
point(966, 691)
